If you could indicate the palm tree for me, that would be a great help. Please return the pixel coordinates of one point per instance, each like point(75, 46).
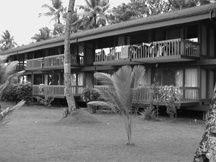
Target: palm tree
point(7, 41)
point(206, 150)
point(94, 14)
point(44, 34)
point(55, 10)
point(67, 62)
point(76, 21)
point(6, 75)
point(119, 93)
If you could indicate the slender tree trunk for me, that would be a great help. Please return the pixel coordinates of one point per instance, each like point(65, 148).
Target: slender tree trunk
point(67, 62)
point(206, 150)
point(128, 127)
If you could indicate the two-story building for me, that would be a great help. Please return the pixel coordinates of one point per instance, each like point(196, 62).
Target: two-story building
point(177, 48)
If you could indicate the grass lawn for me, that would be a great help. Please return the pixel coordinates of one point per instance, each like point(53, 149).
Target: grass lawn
point(33, 134)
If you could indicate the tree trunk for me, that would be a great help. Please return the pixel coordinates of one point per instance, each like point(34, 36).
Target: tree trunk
point(128, 127)
point(206, 150)
point(67, 62)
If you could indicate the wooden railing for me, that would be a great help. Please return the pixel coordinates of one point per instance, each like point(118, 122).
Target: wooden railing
point(55, 90)
point(54, 61)
point(34, 64)
point(174, 47)
point(148, 94)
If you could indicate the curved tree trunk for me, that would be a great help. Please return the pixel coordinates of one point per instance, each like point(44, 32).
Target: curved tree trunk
point(67, 62)
point(206, 151)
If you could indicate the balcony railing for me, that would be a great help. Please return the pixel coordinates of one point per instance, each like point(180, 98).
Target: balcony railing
point(57, 91)
point(149, 94)
point(56, 61)
point(174, 47)
point(34, 64)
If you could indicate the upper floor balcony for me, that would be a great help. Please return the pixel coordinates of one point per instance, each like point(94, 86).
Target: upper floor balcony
point(174, 50)
point(52, 62)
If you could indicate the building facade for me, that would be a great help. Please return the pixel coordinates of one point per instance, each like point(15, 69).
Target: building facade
point(177, 48)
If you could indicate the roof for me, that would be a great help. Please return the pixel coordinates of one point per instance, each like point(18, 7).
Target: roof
point(116, 28)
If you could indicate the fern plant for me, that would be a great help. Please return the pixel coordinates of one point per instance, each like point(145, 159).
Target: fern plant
point(118, 92)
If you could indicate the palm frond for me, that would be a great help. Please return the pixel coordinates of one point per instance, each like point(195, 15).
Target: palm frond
point(103, 78)
point(109, 95)
point(138, 76)
point(3, 86)
point(49, 7)
point(122, 82)
point(8, 111)
point(11, 67)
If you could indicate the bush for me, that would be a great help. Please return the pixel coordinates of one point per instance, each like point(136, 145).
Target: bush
point(45, 100)
point(90, 94)
point(149, 113)
point(18, 92)
point(10, 94)
point(24, 92)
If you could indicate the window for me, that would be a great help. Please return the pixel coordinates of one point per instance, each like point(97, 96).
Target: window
point(191, 77)
point(168, 77)
point(191, 80)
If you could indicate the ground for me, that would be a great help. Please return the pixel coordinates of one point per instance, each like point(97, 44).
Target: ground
point(34, 134)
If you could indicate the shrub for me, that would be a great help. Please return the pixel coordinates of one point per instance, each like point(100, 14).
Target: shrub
point(17, 92)
point(171, 95)
point(24, 92)
point(89, 94)
point(10, 93)
point(149, 113)
point(45, 100)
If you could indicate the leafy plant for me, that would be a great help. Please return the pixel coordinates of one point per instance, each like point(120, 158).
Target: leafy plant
point(18, 92)
point(119, 92)
point(149, 113)
point(171, 95)
point(6, 76)
point(45, 100)
point(90, 94)
point(206, 150)
point(24, 92)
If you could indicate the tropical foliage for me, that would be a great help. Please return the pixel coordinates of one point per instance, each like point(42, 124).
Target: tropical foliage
point(120, 92)
point(7, 41)
point(206, 150)
point(55, 11)
point(6, 76)
point(90, 94)
point(94, 13)
point(143, 8)
point(44, 34)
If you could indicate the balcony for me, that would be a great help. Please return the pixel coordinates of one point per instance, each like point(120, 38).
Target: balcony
point(155, 52)
point(52, 62)
point(188, 96)
point(58, 91)
point(34, 64)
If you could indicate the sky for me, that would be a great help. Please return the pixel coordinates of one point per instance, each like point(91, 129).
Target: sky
point(20, 17)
